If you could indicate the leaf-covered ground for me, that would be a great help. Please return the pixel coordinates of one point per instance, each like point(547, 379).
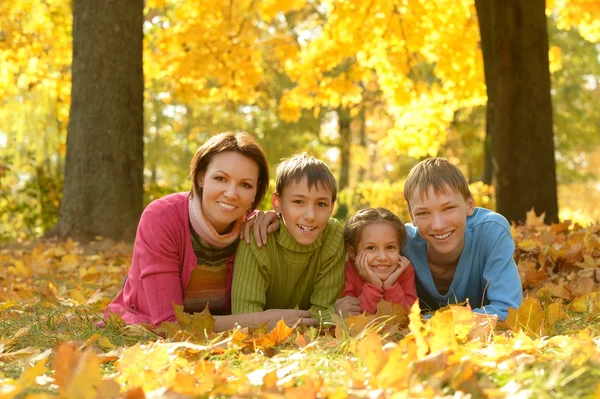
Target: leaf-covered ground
point(52, 294)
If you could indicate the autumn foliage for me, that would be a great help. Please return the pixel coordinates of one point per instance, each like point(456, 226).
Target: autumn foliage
point(53, 294)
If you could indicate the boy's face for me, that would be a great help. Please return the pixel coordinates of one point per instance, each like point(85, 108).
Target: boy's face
point(305, 212)
point(441, 220)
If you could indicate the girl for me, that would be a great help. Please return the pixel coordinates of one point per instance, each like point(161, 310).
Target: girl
point(185, 242)
point(375, 270)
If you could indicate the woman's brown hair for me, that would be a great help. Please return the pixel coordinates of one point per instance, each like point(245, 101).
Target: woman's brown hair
point(240, 142)
point(356, 223)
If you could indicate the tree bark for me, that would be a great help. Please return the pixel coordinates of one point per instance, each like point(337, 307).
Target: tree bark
point(103, 191)
point(345, 142)
point(514, 41)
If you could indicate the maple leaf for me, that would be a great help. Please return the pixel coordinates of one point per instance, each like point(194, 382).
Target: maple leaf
point(533, 220)
point(199, 323)
point(529, 317)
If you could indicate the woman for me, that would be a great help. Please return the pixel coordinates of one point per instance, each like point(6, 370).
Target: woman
point(186, 242)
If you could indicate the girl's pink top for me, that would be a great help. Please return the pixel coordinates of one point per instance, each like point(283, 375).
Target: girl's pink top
point(403, 292)
point(163, 260)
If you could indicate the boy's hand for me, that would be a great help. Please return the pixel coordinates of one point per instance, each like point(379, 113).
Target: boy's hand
point(347, 306)
point(262, 224)
point(291, 317)
point(392, 278)
point(365, 271)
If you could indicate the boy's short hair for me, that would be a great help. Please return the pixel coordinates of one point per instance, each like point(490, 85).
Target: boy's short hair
point(357, 222)
point(296, 167)
point(438, 173)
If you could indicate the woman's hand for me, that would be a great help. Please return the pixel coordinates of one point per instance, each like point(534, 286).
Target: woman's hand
point(290, 317)
point(347, 306)
point(392, 278)
point(364, 271)
point(262, 224)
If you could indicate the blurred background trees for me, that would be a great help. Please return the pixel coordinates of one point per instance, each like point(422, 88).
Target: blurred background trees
point(371, 87)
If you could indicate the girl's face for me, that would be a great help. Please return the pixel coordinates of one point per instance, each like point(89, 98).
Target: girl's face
point(380, 242)
point(229, 187)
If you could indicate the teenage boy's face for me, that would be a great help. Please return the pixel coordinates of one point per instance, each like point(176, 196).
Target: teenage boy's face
point(441, 220)
point(305, 212)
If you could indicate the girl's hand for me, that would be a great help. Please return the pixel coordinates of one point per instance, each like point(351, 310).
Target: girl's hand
point(262, 224)
point(392, 278)
point(362, 266)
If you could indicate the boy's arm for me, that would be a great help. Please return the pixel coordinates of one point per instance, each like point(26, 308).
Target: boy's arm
point(329, 280)
point(404, 292)
point(503, 287)
point(250, 281)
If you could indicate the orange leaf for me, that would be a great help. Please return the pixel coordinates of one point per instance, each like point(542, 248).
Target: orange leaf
point(77, 374)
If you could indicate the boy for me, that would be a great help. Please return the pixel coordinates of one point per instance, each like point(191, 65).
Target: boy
point(303, 263)
point(459, 251)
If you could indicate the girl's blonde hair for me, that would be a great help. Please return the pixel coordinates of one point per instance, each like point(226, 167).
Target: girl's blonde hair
point(355, 225)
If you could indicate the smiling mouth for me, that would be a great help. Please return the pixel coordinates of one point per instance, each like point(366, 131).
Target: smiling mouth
point(380, 267)
point(226, 207)
point(306, 228)
point(442, 236)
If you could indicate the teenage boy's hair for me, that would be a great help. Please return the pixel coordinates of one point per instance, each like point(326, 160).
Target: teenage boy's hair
point(293, 169)
point(357, 222)
point(438, 173)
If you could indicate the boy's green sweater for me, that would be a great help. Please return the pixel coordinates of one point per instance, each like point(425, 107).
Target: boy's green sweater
point(284, 274)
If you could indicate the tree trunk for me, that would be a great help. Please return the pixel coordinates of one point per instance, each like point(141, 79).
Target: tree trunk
point(514, 42)
point(345, 142)
point(103, 189)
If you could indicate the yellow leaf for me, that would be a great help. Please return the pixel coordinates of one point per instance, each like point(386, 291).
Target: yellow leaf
point(358, 323)
point(441, 334)
point(270, 380)
point(27, 379)
point(589, 262)
point(586, 304)
point(416, 327)
point(201, 323)
point(105, 343)
point(529, 317)
point(70, 262)
point(370, 351)
point(77, 296)
point(554, 313)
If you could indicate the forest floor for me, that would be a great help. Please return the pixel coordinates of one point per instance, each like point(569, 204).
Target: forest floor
point(53, 293)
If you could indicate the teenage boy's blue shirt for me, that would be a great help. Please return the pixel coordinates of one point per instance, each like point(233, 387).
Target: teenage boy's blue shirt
point(486, 273)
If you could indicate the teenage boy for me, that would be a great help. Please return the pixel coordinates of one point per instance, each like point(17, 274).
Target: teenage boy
point(459, 252)
point(303, 264)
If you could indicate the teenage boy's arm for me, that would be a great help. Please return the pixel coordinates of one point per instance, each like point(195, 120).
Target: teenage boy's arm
point(329, 281)
point(250, 281)
point(500, 274)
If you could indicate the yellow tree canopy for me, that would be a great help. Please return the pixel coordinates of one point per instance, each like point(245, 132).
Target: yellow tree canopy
point(424, 57)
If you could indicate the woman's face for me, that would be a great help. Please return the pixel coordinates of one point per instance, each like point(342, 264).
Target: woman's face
point(229, 187)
